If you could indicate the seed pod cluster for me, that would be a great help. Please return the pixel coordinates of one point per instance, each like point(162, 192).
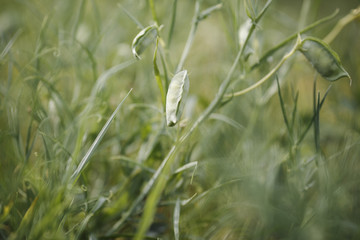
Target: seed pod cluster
point(323, 58)
point(143, 39)
point(176, 97)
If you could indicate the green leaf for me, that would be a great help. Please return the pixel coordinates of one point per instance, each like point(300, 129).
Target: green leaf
point(323, 58)
point(143, 39)
point(96, 142)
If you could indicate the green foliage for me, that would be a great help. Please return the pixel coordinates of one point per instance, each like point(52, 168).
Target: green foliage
point(78, 161)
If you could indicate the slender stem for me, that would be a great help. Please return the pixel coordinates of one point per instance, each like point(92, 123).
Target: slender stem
point(172, 24)
point(354, 14)
point(269, 75)
point(286, 41)
point(306, 5)
point(153, 12)
point(222, 89)
point(191, 37)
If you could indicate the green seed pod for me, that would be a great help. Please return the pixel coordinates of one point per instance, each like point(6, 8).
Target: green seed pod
point(323, 58)
point(143, 39)
point(176, 97)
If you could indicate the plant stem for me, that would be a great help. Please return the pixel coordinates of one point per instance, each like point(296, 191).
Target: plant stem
point(354, 14)
point(153, 12)
point(172, 24)
point(270, 74)
point(191, 37)
point(283, 43)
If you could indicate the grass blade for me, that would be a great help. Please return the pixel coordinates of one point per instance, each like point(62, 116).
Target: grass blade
point(172, 24)
point(283, 110)
point(10, 44)
point(177, 219)
point(96, 142)
point(157, 75)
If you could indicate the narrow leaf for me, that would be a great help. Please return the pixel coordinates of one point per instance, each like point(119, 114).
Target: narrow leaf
point(93, 146)
point(157, 75)
point(177, 219)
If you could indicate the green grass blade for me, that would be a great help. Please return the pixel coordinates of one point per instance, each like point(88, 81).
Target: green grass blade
point(96, 142)
point(317, 123)
point(153, 12)
point(293, 115)
point(157, 75)
point(283, 111)
point(172, 24)
point(302, 136)
point(177, 219)
point(10, 44)
point(186, 166)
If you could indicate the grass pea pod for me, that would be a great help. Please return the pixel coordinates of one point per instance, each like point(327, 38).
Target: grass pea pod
point(143, 39)
point(176, 97)
point(323, 58)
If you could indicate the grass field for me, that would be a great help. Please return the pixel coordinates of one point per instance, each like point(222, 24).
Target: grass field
point(267, 145)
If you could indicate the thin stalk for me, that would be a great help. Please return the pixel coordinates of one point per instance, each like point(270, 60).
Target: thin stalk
point(289, 39)
point(191, 37)
point(302, 136)
point(270, 74)
point(172, 24)
point(198, 16)
point(293, 115)
point(157, 76)
point(282, 105)
point(354, 14)
point(74, 177)
point(306, 5)
point(153, 12)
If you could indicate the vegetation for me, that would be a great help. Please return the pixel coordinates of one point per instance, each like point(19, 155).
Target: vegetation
point(263, 138)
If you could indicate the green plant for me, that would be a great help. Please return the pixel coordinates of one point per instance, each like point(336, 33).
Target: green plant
point(84, 156)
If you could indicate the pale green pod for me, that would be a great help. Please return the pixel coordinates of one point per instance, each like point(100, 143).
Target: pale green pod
point(323, 58)
point(143, 39)
point(176, 97)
